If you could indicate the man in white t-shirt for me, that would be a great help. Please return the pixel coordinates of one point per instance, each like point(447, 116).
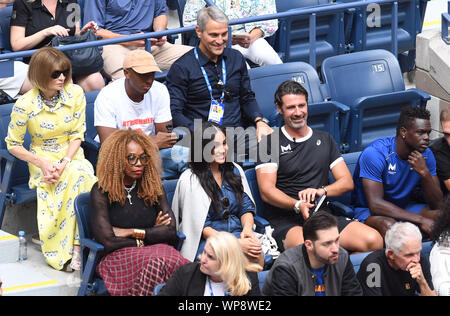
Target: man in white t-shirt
point(139, 102)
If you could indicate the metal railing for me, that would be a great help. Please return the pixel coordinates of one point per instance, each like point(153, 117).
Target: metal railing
point(312, 12)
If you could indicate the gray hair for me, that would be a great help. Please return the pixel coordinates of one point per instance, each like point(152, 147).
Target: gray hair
point(399, 234)
point(214, 13)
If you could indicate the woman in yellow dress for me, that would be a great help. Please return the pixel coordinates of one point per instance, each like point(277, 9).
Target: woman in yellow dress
point(54, 114)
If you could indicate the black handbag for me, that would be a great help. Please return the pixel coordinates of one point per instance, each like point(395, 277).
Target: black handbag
point(84, 61)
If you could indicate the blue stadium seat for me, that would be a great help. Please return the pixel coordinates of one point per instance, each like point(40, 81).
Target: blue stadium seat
point(91, 250)
point(5, 16)
point(367, 36)
point(90, 146)
point(14, 172)
point(330, 116)
point(293, 32)
point(341, 205)
point(371, 84)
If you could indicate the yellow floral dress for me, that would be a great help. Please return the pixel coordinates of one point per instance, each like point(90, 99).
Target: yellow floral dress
point(51, 130)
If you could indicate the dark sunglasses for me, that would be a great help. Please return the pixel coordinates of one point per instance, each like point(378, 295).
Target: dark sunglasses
point(445, 134)
point(133, 159)
point(57, 73)
point(226, 204)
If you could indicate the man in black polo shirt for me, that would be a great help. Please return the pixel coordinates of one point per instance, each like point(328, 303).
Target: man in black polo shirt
point(400, 269)
point(297, 175)
point(211, 81)
point(441, 151)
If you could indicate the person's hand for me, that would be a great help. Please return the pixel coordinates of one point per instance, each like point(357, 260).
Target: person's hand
point(309, 195)
point(248, 233)
point(89, 26)
point(415, 269)
point(60, 167)
point(305, 208)
point(262, 129)
point(426, 225)
point(48, 170)
point(159, 41)
point(162, 219)
point(56, 30)
point(244, 40)
point(416, 160)
point(251, 247)
point(165, 140)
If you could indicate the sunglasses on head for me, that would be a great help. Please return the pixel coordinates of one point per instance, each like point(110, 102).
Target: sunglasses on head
point(57, 73)
point(225, 204)
point(133, 159)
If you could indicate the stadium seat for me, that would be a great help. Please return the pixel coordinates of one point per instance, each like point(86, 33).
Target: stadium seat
point(293, 32)
point(91, 250)
point(330, 116)
point(368, 35)
point(90, 146)
point(341, 205)
point(14, 172)
point(5, 16)
point(371, 84)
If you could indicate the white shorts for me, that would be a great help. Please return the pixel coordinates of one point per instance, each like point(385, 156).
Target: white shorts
point(12, 85)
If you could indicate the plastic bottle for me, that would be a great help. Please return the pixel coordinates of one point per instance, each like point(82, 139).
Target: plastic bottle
point(22, 246)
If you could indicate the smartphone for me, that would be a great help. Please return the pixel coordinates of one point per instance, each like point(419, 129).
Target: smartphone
point(319, 203)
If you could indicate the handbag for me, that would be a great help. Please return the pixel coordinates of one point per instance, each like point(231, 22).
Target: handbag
point(268, 243)
point(84, 61)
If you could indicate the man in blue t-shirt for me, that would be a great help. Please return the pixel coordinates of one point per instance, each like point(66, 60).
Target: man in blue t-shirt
point(118, 18)
point(389, 170)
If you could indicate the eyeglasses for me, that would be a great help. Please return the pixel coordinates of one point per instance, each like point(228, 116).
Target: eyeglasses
point(57, 73)
point(225, 204)
point(133, 159)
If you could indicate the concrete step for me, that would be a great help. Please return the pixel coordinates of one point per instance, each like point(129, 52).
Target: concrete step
point(35, 277)
point(9, 248)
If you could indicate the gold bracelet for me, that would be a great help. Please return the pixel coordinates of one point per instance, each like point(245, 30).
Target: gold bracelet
point(139, 234)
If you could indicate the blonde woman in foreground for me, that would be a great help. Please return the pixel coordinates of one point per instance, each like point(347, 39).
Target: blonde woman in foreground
point(223, 270)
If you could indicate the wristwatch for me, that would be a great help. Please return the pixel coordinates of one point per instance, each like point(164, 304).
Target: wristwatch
point(65, 159)
point(297, 206)
point(262, 119)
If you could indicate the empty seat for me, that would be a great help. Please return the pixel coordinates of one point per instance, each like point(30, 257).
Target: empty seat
point(371, 84)
point(293, 34)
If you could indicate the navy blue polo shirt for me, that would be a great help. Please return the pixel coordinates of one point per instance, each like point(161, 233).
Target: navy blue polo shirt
point(189, 95)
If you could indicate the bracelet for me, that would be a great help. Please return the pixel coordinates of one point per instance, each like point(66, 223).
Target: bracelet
point(139, 243)
point(65, 159)
point(139, 234)
point(325, 189)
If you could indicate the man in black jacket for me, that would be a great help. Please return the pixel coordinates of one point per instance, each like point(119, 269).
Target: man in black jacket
point(319, 267)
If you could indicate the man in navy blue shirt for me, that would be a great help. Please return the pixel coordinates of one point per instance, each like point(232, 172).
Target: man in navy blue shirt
point(389, 169)
point(211, 82)
point(118, 18)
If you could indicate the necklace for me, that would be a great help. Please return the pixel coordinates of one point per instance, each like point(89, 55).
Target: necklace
point(129, 191)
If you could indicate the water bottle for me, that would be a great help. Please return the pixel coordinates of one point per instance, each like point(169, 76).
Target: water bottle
point(22, 246)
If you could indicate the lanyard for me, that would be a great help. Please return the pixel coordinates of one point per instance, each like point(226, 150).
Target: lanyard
point(208, 84)
point(210, 288)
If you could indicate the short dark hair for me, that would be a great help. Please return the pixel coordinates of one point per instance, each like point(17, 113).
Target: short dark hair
point(320, 220)
point(409, 114)
point(289, 87)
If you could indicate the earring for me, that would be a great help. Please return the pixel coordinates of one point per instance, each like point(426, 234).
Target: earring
point(403, 136)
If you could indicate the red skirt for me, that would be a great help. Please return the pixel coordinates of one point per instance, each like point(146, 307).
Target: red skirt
point(136, 271)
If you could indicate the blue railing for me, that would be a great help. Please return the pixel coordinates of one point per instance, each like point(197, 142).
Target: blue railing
point(313, 12)
point(445, 24)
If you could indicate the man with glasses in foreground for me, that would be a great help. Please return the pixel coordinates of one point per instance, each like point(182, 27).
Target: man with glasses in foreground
point(441, 150)
point(139, 102)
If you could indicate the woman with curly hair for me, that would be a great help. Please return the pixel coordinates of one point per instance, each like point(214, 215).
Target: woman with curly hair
point(440, 254)
point(131, 216)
